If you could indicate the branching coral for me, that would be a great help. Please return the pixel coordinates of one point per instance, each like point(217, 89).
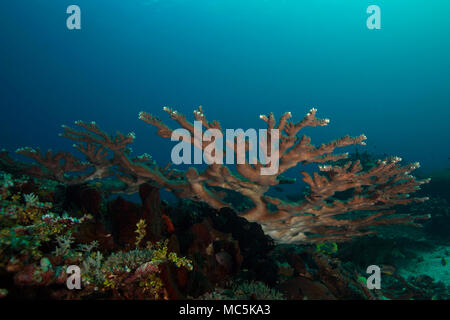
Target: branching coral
point(383, 186)
point(318, 217)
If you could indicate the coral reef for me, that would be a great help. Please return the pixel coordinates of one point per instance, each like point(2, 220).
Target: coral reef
point(202, 253)
point(319, 216)
point(37, 245)
point(226, 238)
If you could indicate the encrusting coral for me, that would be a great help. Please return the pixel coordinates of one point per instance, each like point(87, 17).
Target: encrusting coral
point(319, 216)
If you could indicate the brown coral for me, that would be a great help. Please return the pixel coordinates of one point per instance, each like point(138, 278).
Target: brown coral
point(316, 217)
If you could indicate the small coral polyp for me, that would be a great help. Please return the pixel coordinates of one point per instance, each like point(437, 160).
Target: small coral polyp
point(308, 220)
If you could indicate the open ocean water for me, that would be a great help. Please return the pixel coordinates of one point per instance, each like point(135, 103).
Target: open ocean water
point(240, 59)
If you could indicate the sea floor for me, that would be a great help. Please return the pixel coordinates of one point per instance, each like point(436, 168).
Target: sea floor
point(433, 263)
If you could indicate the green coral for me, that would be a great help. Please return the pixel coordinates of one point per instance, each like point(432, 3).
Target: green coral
point(244, 291)
point(3, 293)
point(139, 264)
point(26, 223)
point(255, 290)
point(33, 235)
point(160, 252)
point(327, 247)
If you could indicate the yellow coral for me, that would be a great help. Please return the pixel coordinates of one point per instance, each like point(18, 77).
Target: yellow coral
point(180, 261)
point(160, 253)
point(141, 232)
point(152, 283)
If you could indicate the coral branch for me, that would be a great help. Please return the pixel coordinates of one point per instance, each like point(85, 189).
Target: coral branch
point(322, 214)
point(317, 216)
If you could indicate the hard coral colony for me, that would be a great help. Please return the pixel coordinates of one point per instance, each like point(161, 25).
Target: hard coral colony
point(311, 219)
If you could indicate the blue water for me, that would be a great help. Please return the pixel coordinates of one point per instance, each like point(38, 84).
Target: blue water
point(237, 58)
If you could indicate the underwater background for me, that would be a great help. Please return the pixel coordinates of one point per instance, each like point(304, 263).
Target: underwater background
point(239, 59)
